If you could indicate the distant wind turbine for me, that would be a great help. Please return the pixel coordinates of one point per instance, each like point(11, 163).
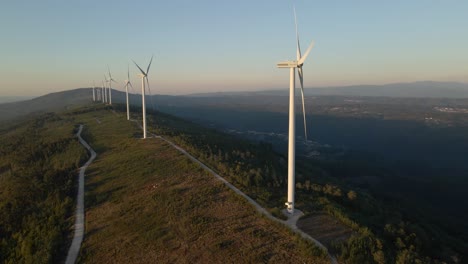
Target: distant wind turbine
point(94, 93)
point(106, 90)
point(144, 75)
point(128, 83)
point(110, 85)
point(98, 94)
point(292, 65)
point(103, 92)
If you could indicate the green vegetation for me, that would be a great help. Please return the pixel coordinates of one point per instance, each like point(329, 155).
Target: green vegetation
point(38, 162)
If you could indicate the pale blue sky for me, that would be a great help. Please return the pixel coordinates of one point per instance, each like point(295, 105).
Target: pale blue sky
point(210, 45)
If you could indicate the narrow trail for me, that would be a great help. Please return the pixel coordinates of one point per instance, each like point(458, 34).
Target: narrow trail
point(79, 218)
point(291, 223)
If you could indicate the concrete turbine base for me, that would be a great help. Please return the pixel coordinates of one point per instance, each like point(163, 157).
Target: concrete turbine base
point(292, 218)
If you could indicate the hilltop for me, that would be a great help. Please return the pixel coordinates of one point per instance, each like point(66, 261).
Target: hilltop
point(58, 101)
point(153, 203)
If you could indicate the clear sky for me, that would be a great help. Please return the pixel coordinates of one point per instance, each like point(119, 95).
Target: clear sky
point(220, 45)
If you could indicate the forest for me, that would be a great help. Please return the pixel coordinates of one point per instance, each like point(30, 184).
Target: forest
point(38, 162)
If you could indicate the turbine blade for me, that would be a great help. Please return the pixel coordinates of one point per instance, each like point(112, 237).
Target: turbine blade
point(128, 72)
point(303, 58)
point(298, 49)
point(131, 87)
point(301, 79)
point(149, 65)
point(108, 69)
point(142, 72)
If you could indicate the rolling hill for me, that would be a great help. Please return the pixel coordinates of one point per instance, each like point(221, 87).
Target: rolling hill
point(47, 103)
point(145, 202)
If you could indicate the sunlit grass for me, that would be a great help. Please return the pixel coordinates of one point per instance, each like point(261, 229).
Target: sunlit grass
point(146, 201)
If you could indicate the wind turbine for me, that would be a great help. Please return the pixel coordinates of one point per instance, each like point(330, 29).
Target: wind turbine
point(128, 83)
point(292, 65)
point(106, 90)
point(94, 94)
point(144, 75)
point(110, 85)
point(98, 94)
point(104, 98)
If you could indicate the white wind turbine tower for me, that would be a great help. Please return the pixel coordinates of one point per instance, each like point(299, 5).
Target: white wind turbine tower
point(128, 83)
point(98, 94)
point(144, 75)
point(106, 90)
point(94, 94)
point(110, 85)
point(292, 65)
point(104, 98)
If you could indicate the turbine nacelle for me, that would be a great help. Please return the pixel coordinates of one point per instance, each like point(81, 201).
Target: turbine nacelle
point(301, 59)
point(287, 64)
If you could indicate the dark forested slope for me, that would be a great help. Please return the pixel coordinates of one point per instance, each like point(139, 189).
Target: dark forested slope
point(38, 162)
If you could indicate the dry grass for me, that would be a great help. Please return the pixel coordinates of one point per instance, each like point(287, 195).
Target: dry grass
point(147, 203)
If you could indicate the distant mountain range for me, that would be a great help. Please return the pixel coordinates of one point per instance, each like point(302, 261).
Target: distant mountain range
point(71, 98)
point(426, 89)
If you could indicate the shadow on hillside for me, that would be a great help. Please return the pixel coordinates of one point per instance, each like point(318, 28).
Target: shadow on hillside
point(325, 228)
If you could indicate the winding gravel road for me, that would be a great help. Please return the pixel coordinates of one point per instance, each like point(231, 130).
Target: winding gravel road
point(79, 220)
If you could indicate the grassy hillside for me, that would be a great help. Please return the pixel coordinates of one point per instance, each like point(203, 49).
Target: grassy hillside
point(146, 201)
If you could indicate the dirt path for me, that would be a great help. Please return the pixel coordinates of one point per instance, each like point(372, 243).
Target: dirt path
point(79, 218)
